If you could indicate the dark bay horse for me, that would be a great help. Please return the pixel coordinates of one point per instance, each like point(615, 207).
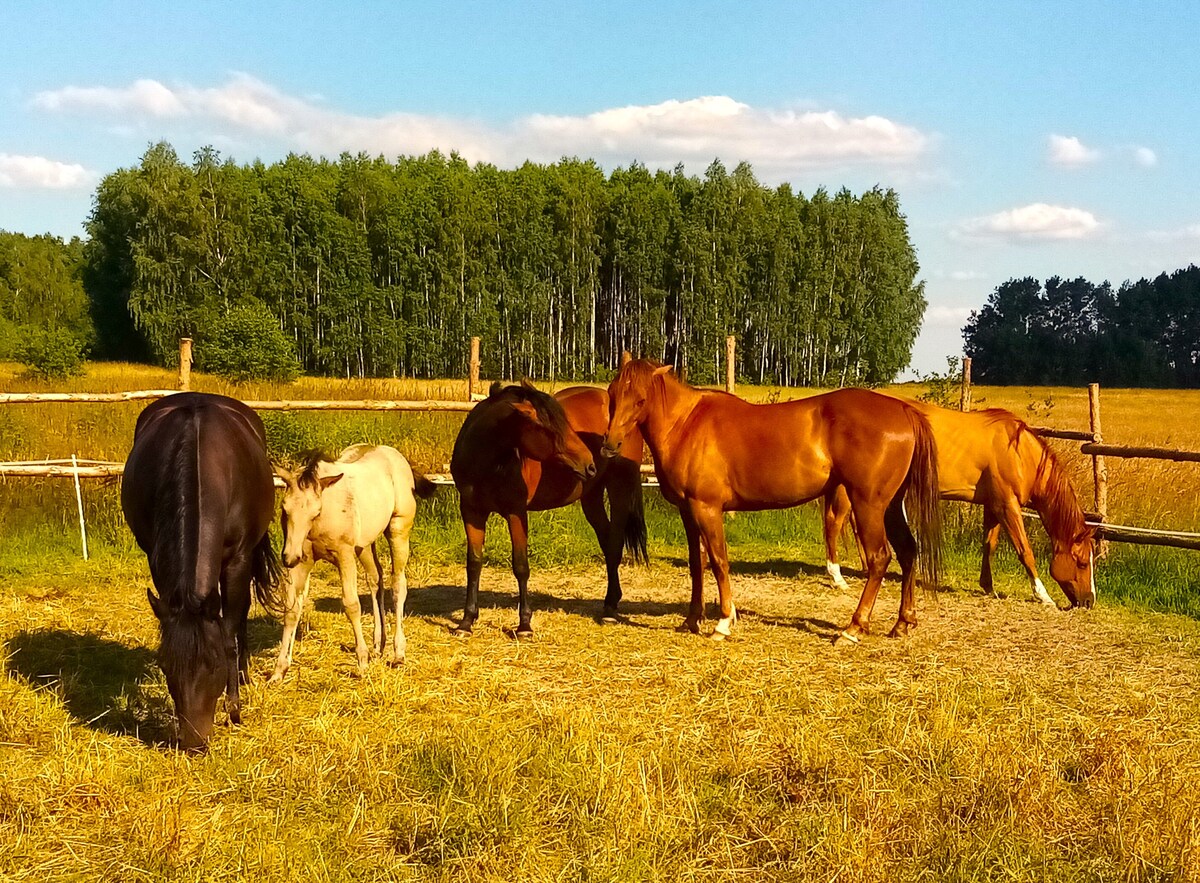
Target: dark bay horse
point(714, 453)
point(199, 496)
point(994, 459)
point(518, 451)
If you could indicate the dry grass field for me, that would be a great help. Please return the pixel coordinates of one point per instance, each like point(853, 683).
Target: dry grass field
point(1002, 741)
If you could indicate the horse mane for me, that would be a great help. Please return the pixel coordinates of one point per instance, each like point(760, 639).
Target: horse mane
point(177, 514)
point(1053, 495)
point(549, 411)
point(307, 476)
point(182, 646)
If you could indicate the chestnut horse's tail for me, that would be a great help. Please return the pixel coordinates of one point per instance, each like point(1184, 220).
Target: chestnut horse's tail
point(635, 525)
point(922, 503)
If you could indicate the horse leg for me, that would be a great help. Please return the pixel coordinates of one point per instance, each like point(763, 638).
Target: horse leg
point(1014, 525)
point(872, 539)
point(294, 607)
point(991, 535)
point(611, 544)
point(373, 571)
point(351, 605)
point(475, 525)
point(697, 563)
point(711, 522)
point(397, 533)
point(518, 530)
point(900, 535)
point(837, 507)
point(235, 591)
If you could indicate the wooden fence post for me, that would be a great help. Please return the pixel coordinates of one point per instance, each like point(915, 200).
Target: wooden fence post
point(730, 378)
point(473, 378)
point(964, 398)
point(185, 363)
point(1099, 469)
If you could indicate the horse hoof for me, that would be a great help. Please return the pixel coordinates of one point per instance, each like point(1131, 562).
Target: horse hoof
point(717, 636)
point(275, 678)
point(235, 717)
point(460, 632)
point(526, 635)
point(845, 639)
point(686, 627)
point(395, 662)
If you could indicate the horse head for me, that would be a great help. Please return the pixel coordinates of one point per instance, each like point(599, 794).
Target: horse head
point(302, 502)
point(197, 671)
point(542, 432)
point(1072, 566)
point(627, 397)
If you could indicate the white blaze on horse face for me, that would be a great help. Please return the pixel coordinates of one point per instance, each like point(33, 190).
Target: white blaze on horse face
point(835, 574)
point(1040, 593)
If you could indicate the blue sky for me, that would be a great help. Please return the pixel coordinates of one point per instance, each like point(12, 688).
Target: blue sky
point(1024, 139)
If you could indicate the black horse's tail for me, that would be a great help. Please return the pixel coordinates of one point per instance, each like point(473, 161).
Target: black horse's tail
point(635, 525)
point(422, 486)
point(266, 572)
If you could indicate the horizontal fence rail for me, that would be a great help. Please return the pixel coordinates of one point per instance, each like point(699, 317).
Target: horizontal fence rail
point(1092, 441)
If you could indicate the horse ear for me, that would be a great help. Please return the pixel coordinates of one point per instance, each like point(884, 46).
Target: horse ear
point(626, 357)
point(526, 383)
point(526, 409)
point(495, 388)
point(330, 480)
point(284, 473)
point(156, 604)
point(665, 369)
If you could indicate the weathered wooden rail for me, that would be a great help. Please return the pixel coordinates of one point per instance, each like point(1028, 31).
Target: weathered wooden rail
point(1092, 440)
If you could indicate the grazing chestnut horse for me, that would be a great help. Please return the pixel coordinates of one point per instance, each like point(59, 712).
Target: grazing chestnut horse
point(334, 510)
point(714, 453)
point(515, 453)
point(994, 459)
point(198, 495)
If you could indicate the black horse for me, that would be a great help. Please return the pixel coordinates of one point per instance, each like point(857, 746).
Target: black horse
point(199, 496)
point(515, 453)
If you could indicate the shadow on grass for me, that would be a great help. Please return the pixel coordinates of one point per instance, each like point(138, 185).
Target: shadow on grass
point(101, 681)
point(444, 604)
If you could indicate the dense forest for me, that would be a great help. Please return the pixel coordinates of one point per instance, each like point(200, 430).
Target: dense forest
point(1072, 331)
point(378, 267)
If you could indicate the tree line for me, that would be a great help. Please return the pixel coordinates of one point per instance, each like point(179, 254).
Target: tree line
point(1072, 331)
point(375, 267)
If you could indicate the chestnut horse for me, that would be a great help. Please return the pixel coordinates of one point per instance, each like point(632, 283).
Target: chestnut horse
point(516, 453)
point(198, 495)
point(994, 459)
point(714, 453)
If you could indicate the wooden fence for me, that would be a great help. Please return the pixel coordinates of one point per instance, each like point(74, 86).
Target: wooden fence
point(1093, 444)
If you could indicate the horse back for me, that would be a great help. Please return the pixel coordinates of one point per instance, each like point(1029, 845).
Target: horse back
point(197, 490)
point(378, 486)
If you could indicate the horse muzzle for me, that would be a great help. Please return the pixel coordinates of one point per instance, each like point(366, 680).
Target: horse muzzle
point(609, 449)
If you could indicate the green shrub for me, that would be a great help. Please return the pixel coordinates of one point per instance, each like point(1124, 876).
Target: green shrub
point(51, 353)
point(247, 344)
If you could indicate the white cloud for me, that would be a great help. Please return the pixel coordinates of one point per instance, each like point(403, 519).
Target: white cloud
point(1145, 157)
point(1070, 152)
point(966, 275)
point(946, 317)
point(1034, 222)
point(143, 97)
point(775, 141)
point(1187, 233)
point(37, 172)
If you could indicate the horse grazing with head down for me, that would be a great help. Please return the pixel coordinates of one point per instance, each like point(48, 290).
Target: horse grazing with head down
point(994, 459)
point(715, 453)
point(198, 495)
point(516, 453)
point(334, 511)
